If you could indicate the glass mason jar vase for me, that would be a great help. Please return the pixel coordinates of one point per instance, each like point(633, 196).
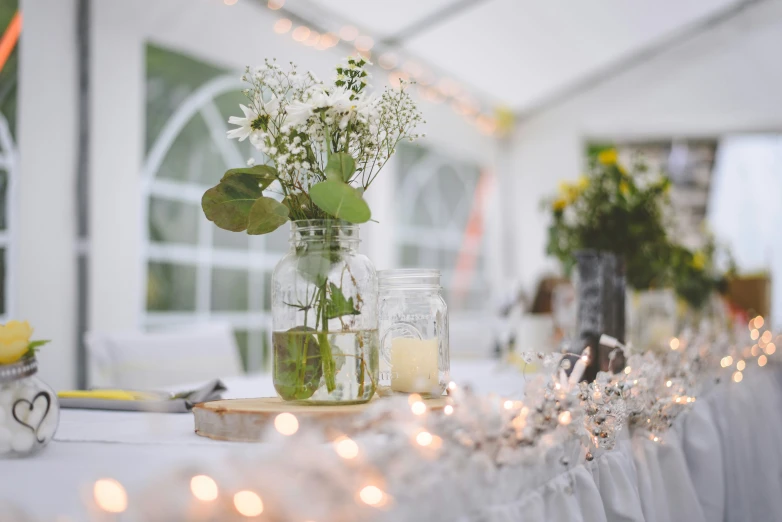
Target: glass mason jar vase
point(29, 411)
point(324, 316)
point(415, 356)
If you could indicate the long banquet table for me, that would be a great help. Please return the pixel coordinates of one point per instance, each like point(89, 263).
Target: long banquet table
point(721, 461)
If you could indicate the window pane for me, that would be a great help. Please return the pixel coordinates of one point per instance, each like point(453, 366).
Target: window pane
point(171, 287)
point(173, 221)
point(171, 77)
point(227, 239)
point(229, 289)
point(193, 156)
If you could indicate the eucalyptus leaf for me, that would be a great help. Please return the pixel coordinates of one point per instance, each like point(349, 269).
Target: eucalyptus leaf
point(337, 305)
point(297, 363)
point(228, 203)
point(265, 174)
point(266, 215)
point(341, 201)
point(340, 167)
point(314, 265)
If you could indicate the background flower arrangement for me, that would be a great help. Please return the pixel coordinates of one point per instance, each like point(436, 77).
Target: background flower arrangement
point(615, 210)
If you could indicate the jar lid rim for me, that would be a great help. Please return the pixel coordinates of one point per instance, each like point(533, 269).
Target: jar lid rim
point(408, 273)
point(24, 367)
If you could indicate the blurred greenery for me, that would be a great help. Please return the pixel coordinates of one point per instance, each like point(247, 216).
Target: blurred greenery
point(614, 209)
point(171, 288)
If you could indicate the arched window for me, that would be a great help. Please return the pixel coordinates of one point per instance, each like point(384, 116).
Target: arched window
point(194, 270)
point(8, 169)
point(440, 223)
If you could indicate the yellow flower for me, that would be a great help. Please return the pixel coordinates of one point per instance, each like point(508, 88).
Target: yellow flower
point(608, 157)
point(559, 204)
point(624, 188)
point(698, 261)
point(583, 182)
point(568, 192)
point(14, 340)
point(621, 169)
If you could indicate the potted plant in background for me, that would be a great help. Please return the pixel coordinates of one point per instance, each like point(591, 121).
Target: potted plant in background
point(609, 226)
point(324, 145)
point(697, 280)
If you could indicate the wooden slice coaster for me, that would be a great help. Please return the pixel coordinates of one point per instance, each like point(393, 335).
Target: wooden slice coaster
point(245, 420)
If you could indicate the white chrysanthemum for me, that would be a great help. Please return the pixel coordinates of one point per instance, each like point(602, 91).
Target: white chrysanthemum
point(242, 132)
point(298, 112)
point(339, 100)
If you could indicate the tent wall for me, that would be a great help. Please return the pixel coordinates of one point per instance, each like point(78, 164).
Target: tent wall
point(724, 80)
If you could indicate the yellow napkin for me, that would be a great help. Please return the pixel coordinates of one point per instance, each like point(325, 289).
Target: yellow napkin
point(111, 395)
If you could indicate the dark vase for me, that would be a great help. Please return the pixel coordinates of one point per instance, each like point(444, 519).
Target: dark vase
point(601, 307)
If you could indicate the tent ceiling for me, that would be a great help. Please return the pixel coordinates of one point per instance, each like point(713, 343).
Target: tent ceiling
point(521, 52)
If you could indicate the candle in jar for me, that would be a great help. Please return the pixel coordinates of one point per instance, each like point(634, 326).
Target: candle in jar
point(414, 365)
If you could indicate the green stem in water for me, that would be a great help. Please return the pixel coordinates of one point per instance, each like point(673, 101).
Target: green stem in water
point(327, 357)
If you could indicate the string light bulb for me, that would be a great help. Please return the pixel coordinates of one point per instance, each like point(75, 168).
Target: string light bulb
point(282, 26)
point(771, 348)
point(301, 33)
point(418, 408)
point(372, 495)
point(204, 488)
point(248, 503)
point(275, 4)
point(110, 496)
point(754, 334)
point(286, 423)
point(346, 448)
point(348, 33)
point(448, 410)
point(424, 438)
point(738, 376)
point(762, 360)
point(741, 365)
point(674, 344)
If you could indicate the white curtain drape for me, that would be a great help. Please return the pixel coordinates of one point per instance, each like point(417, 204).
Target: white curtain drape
point(745, 205)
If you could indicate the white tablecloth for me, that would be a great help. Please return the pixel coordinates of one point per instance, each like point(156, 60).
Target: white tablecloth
point(721, 461)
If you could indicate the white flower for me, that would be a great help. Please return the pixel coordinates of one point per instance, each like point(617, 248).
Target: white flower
point(271, 107)
point(367, 107)
point(244, 124)
point(339, 100)
point(251, 162)
point(318, 97)
point(298, 112)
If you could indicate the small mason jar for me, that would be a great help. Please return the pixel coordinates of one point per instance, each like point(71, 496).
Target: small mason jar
point(324, 317)
point(29, 411)
point(414, 352)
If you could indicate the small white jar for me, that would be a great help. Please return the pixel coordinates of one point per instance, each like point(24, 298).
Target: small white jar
point(29, 411)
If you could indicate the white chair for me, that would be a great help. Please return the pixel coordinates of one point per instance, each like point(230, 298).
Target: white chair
point(189, 354)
